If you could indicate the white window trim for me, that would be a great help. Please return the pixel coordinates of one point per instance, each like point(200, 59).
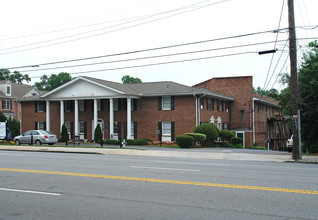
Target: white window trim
point(44, 105)
point(163, 102)
point(6, 105)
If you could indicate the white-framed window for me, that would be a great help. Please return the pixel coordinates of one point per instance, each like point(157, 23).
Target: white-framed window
point(41, 106)
point(220, 106)
point(81, 106)
point(166, 103)
point(166, 131)
point(6, 105)
point(115, 103)
point(41, 126)
point(68, 106)
point(8, 90)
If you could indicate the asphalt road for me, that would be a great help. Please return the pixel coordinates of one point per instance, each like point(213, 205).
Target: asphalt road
point(36, 185)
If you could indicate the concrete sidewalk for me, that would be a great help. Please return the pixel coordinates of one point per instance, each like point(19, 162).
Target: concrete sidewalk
point(168, 152)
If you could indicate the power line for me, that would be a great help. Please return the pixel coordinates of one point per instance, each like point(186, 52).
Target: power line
point(155, 64)
point(81, 38)
point(147, 50)
point(149, 57)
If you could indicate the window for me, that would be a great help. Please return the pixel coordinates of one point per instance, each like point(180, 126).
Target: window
point(227, 106)
point(220, 106)
point(212, 120)
point(166, 103)
point(115, 102)
point(41, 106)
point(201, 103)
point(225, 126)
point(82, 127)
point(8, 90)
point(6, 104)
point(68, 106)
point(41, 126)
point(166, 128)
point(81, 105)
point(210, 105)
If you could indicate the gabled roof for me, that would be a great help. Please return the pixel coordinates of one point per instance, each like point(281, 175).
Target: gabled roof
point(165, 88)
point(18, 90)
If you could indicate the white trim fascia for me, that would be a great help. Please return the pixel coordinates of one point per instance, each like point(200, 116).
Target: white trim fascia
point(185, 94)
point(34, 89)
point(75, 80)
point(266, 102)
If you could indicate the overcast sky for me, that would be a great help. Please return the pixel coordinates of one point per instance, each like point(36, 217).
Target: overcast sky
point(219, 37)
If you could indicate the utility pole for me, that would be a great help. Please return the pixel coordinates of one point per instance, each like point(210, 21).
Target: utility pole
point(294, 80)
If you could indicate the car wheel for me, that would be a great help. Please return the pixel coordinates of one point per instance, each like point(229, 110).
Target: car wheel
point(17, 142)
point(37, 142)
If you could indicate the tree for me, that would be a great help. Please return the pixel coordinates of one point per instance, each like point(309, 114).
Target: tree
point(308, 85)
point(3, 118)
point(64, 134)
point(54, 81)
point(273, 93)
point(13, 126)
point(15, 77)
point(128, 79)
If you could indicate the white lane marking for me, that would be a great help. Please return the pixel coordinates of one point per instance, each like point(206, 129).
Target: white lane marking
point(164, 168)
point(176, 162)
point(29, 191)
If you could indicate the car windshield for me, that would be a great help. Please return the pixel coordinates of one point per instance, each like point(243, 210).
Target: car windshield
point(45, 132)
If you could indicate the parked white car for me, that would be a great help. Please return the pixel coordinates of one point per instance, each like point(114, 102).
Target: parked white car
point(38, 137)
point(289, 144)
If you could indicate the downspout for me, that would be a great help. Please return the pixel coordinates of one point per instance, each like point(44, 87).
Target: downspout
point(253, 120)
point(200, 107)
point(196, 110)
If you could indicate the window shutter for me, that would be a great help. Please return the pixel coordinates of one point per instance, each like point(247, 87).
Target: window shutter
point(72, 129)
point(44, 125)
point(2, 104)
point(36, 126)
point(125, 104)
point(172, 131)
point(36, 106)
point(135, 130)
point(160, 129)
point(85, 130)
point(10, 104)
point(119, 104)
point(172, 102)
point(135, 104)
point(85, 105)
point(101, 105)
point(159, 103)
point(125, 130)
point(44, 106)
point(72, 105)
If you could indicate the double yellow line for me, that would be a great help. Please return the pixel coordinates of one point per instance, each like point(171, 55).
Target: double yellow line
point(272, 189)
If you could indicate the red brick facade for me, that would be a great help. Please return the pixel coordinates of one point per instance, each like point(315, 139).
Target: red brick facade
point(147, 116)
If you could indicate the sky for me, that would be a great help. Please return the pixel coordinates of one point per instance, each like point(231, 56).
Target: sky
point(185, 41)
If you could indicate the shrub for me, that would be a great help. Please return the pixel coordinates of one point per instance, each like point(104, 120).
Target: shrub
point(98, 134)
point(110, 141)
point(184, 141)
point(64, 134)
point(210, 130)
point(236, 141)
point(140, 141)
point(197, 136)
point(226, 135)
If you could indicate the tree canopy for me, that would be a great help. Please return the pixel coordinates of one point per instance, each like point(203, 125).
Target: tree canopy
point(15, 77)
point(273, 93)
point(308, 86)
point(54, 81)
point(129, 79)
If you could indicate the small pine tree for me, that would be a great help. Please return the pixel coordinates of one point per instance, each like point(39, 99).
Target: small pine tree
point(98, 134)
point(64, 134)
point(13, 126)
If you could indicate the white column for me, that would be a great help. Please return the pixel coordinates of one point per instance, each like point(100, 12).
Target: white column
point(111, 118)
point(62, 114)
point(128, 118)
point(95, 116)
point(48, 115)
point(76, 118)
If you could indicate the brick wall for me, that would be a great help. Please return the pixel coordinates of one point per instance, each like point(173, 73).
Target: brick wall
point(147, 116)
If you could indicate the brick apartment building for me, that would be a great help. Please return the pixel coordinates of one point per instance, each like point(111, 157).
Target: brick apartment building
point(10, 93)
point(139, 110)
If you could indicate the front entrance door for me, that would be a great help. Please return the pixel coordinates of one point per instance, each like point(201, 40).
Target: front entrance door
point(240, 134)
